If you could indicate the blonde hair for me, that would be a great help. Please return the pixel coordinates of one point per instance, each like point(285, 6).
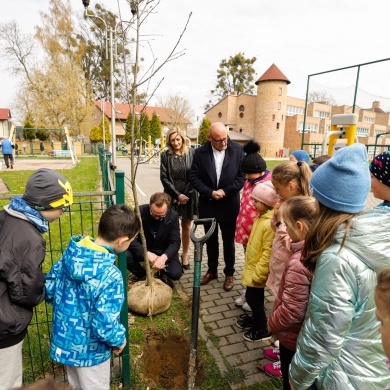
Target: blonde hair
point(321, 234)
point(383, 287)
point(176, 130)
point(299, 208)
point(299, 172)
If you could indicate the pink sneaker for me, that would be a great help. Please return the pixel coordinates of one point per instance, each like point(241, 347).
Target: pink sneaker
point(273, 369)
point(272, 354)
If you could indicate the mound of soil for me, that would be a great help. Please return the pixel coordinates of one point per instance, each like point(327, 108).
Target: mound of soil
point(166, 360)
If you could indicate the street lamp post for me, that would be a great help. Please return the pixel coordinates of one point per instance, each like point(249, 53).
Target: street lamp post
point(197, 131)
point(110, 32)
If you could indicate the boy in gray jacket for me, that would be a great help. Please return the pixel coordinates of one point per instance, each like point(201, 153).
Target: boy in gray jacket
point(22, 251)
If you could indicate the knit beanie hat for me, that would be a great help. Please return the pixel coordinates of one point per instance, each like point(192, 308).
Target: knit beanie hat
point(380, 167)
point(342, 183)
point(252, 161)
point(301, 155)
point(265, 193)
point(46, 189)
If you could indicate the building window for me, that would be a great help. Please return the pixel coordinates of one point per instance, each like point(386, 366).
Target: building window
point(310, 127)
point(240, 130)
point(273, 117)
point(362, 132)
point(321, 114)
point(241, 108)
point(278, 126)
point(220, 115)
point(241, 115)
point(279, 105)
point(368, 119)
point(292, 110)
point(280, 91)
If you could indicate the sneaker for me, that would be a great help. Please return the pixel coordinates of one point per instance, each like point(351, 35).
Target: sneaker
point(272, 354)
point(240, 300)
point(273, 369)
point(255, 335)
point(246, 307)
point(244, 321)
point(12, 166)
point(276, 343)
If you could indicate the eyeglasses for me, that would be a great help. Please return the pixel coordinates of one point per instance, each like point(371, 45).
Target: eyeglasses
point(158, 217)
point(220, 141)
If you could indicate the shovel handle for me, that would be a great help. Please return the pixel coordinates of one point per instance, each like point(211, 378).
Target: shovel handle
point(198, 222)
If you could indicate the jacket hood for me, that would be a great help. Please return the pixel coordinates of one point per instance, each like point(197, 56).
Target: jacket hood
point(83, 263)
point(368, 238)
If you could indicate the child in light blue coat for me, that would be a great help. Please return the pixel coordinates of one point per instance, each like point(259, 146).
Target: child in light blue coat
point(339, 346)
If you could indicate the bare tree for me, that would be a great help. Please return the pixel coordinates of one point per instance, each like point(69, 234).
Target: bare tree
point(141, 9)
point(179, 104)
point(17, 49)
point(54, 89)
point(322, 97)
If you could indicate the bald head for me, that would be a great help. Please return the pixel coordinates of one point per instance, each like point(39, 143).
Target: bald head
point(218, 136)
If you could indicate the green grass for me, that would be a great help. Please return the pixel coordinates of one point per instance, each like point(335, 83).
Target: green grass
point(271, 164)
point(84, 177)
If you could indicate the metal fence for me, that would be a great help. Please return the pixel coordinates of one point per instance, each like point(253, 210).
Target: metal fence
point(81, 219)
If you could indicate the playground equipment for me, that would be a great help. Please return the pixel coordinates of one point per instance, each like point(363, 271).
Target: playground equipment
point(62, 153)
point(342, 134)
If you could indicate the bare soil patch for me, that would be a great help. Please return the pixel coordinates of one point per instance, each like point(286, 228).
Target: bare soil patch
point(166, 360)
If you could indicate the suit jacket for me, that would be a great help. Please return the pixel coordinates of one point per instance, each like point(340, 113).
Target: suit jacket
point(167, 239)
point(203, 177)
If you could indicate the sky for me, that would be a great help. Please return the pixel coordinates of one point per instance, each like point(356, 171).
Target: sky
point(301, 38)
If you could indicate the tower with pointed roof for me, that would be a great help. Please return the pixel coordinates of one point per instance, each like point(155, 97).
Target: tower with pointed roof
point(270, 110)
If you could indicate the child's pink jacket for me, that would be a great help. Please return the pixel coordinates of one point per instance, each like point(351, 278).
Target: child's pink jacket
point(280, 254)
point(291, 302)
point(248, 212)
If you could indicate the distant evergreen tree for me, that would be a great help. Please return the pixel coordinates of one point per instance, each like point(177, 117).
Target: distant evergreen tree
point(204, 130)
point(129, 121)
point(145, 126)
point(235, 74)
point(155, 128)
point(28, 133)
point(42, 135)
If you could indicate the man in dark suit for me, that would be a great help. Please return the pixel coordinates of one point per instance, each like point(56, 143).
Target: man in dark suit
point(215, 174)
point(161, 228)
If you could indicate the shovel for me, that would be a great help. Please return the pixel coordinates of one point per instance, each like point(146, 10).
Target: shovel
point(198, 244)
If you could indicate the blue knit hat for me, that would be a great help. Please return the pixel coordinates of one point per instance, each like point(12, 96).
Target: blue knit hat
point(342, 183)
point(301, 155)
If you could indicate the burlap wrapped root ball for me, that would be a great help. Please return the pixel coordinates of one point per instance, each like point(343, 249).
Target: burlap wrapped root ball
point(150, 299)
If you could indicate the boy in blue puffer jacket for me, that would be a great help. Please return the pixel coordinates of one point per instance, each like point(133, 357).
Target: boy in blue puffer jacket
point(86, 291)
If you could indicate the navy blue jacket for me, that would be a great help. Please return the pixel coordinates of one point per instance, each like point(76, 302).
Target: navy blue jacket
point(203, 178)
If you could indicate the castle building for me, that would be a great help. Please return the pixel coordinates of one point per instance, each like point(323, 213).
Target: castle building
point(275, 120)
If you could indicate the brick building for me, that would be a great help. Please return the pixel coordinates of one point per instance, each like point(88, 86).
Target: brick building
point(275, 119)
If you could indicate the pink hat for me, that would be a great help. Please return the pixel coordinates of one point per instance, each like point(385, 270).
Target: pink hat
point(265, 193)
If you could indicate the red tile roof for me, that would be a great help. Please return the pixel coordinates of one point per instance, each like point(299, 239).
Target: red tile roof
point(5, 114)
point(166, 115)
point(273, 73)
